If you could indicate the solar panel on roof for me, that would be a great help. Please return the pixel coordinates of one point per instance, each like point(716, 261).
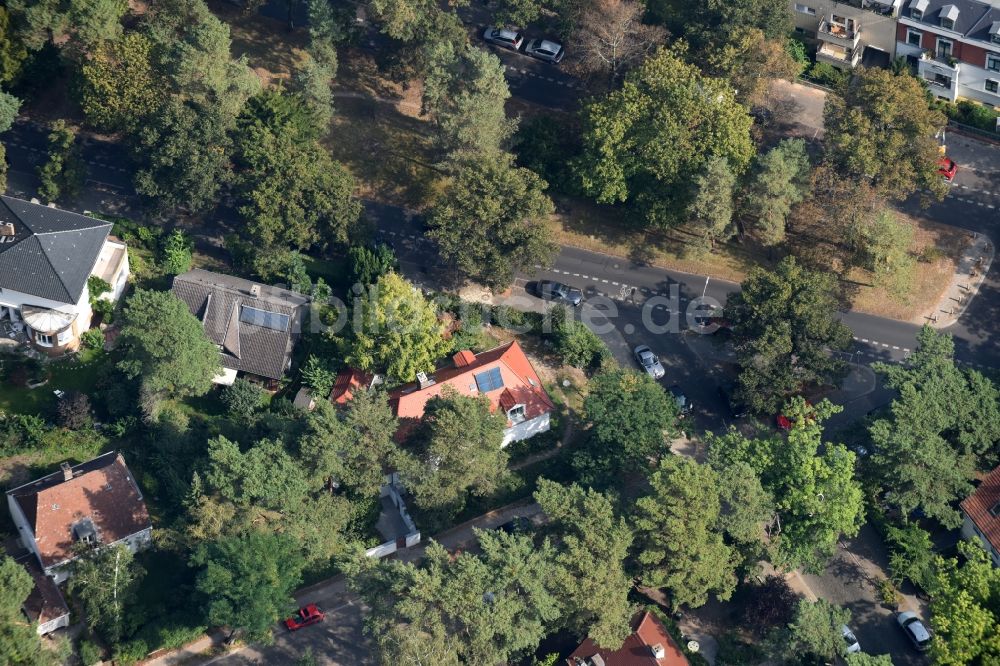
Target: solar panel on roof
point(489, 380)
point(273, 320)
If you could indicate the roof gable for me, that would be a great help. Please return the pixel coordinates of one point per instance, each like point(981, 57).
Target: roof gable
point(101, 491)
point(52, 251)
point(249, 343)
point(511, 380)
point(637, 650)
point(980, 504)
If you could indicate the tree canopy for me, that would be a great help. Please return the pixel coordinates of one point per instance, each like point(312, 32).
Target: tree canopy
point(785, 325)
point(490, 221)
point(882, 130)
point(399, 331)
point(19, 644)
point(643, 142)
point(166, 347)
point(105, 579)
point(965, 609)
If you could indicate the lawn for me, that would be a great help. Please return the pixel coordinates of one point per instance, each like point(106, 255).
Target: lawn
point(77, 373)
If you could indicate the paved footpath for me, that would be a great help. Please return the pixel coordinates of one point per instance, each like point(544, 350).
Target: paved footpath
point(970, 271)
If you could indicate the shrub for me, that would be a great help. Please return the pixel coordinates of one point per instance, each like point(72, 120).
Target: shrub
point(797, 51)
point(177, 253)
point(97, 286)
point(89, 653)
point(369, 264)
point(318, 376)
point(131, 653)
point(242, 398)
point(828, 75)
point(576, 344)
point(74, 411)
point(105, 310)
point(973, 114)
point(92, 339)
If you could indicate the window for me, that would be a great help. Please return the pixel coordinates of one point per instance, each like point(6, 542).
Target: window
point(516, 413)
point(43, 339)
point(993, 62)
point(995, 509)
point(916, 14)
point(273, 320)
point(942, 80)
point(809, 34)
point(993, 86)
point(943, 48)
point(805, 9)
point(947, 24)
point(913, 37)
point(489, 380)
point(995, 38)
point(65, 336)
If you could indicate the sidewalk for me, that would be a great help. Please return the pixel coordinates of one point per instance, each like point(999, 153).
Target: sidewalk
point(970, 271)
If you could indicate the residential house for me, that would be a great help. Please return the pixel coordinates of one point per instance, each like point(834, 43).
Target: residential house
point(45, 605)
point(96, 502)
point(849, 33)
point(349, 381)
point(649, 644)
point(981, 515)
point(504, 375)
point(46, 257)
point(255, 326)
point(954, 46)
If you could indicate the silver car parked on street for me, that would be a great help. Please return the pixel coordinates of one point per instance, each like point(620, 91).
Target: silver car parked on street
point(645, 357)
point(545, 50)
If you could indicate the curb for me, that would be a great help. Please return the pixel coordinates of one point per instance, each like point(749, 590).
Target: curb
point(982, 270)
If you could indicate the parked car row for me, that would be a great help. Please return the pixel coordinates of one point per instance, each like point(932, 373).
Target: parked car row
point(542, 49)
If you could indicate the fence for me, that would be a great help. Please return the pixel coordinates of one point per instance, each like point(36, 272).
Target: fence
point(986, 135)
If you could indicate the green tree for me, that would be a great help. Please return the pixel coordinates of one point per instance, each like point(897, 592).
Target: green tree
point(410, 20)
point(785, 325)
point(12, 50)
point(9, 106)
point(485, 608)
point(592, 544)
point(464, 95)
point(816, 630)
point(747, 509)
point(710, 24)
point(490, 220)
point(118, 84)
point(945, 421)
point(398, 330)
point(243, 398)
point(710, 211)
point(631, 419)
point(817, 499)
point(367, 265)
point(347, 449)
point(882, 246)
point(105, 579)
point(63, 171)
point(76, 24)
point(292, 193)
point(165, 346)
point(458, 450)
point(965, 615)
point(862, 659)
point(751, 61)
point(247, 580)
point(681, 548)
point(177, 253)
point(576, 344)
point(642, 141)
point(318, 376)
point(780, 181)
point(894, 148)
point(911, 555)
point(19, 644)
point(264, 475)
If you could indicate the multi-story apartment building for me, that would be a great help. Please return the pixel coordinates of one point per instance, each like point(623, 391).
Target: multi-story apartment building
point(850, 32)
point(954, 45)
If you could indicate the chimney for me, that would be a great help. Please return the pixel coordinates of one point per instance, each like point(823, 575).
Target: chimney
point(658, 651)
point(7, 229)
point(424, 380)
point(67, 471)
point(255, 290)
point(463, 358)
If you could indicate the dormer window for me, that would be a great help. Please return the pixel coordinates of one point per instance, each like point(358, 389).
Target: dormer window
point(85, 532)
point(995, 510)
point(995, 32)
point(516, 414)
point(949, 14)
point(918, 8)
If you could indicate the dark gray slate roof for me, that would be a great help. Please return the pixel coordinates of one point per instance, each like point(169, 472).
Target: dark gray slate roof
point(970, 13)
point(252, 331)
point(52, 252)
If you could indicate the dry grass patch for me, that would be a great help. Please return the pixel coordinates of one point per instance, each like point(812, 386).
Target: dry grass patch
point(938, 247)
point(273, 51)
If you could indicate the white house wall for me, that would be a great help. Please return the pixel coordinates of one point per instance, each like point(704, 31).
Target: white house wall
point(526, 429)
point(25, 533)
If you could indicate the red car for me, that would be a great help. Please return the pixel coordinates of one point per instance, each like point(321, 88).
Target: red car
point(304, 617)
point(786, 422)
point(947, 168)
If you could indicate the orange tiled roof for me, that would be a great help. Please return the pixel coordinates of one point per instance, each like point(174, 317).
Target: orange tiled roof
point(520, 384)
point(637, 650)
point(349, 381)
point(101, 489)
point(977, 507)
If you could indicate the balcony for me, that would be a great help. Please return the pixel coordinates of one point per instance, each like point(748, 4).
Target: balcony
point(844, 32)
point(941, 73)
point(882, 7)
point(838, 56)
